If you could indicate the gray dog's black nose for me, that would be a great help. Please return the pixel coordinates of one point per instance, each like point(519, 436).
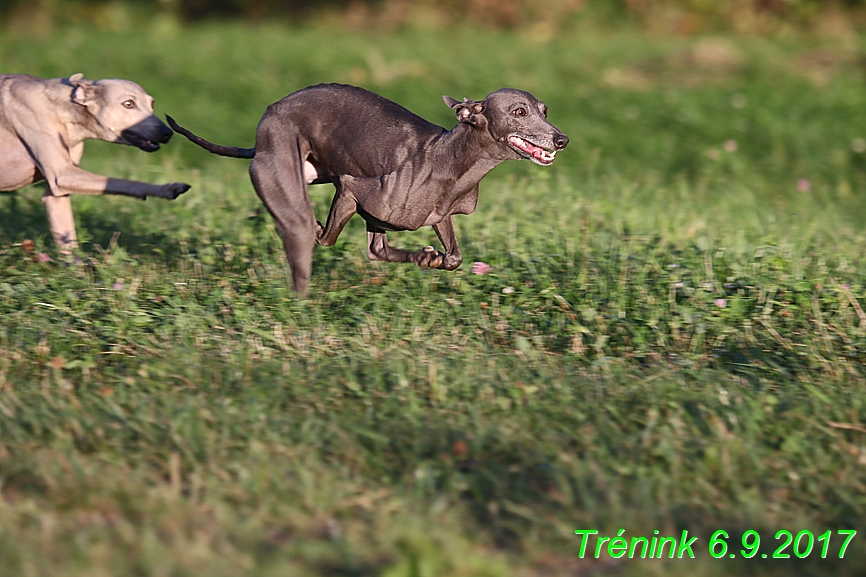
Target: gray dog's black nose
point(560, 141)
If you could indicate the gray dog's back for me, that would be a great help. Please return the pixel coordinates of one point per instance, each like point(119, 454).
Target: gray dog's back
point(371, 143)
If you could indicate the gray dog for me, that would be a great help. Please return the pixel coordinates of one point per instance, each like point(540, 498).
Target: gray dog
point(43, 125)
point(395, 169)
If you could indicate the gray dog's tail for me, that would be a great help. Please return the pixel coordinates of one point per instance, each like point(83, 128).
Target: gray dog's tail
point(233, 151)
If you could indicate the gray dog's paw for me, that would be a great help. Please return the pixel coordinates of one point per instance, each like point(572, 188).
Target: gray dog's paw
point(429, 257)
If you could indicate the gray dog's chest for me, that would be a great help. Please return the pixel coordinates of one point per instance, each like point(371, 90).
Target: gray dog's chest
point(405, 199)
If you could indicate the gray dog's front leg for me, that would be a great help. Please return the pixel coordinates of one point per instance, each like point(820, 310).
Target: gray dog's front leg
point(445, 231)
point(342, 209)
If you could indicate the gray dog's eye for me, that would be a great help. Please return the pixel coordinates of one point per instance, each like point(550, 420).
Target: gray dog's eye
point(519, 112)
point(129, 104)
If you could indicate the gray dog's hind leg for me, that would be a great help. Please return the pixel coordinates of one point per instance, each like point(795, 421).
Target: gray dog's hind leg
point(276, 173)
point(379, 249)
point(428, 257)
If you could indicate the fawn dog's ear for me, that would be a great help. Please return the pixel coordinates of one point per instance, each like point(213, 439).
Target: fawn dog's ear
point(84, 92)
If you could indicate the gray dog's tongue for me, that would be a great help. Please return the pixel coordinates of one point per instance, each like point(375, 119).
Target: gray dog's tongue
point(536, 152)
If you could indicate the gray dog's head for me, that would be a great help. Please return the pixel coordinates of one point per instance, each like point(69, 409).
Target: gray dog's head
point(121, 112)
point(517, 121)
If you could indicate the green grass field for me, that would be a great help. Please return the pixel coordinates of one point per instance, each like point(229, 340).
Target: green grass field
point(671, 338)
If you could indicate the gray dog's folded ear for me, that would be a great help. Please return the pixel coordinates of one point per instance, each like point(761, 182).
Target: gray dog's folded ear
point(467, 111)
point(84, 91)
point(450, 102)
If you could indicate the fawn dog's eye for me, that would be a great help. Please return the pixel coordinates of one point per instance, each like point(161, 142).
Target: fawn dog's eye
point(129, 104)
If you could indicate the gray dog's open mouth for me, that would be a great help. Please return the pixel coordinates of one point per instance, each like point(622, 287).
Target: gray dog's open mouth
point(533, 152)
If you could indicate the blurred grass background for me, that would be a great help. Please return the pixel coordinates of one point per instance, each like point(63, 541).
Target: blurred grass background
point(666, 16)
point(672, 335)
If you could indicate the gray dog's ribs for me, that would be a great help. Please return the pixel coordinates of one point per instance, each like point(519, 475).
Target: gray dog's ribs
point(395, 169)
